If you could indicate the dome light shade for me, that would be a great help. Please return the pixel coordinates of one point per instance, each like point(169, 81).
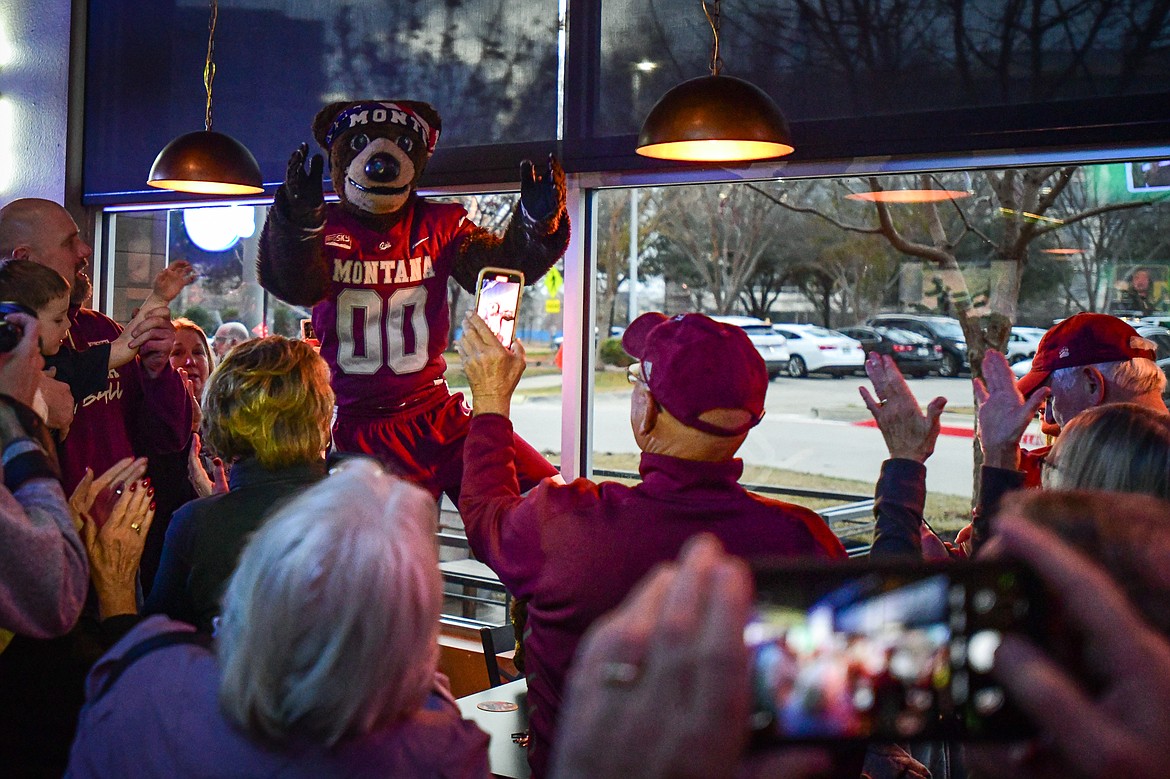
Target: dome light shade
point(207, 163)
point(909, 195)
point(715, 119)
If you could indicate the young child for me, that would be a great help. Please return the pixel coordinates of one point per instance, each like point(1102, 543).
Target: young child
point(44, 291)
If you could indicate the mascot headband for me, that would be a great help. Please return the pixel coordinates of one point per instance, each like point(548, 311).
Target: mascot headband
point(382, 113)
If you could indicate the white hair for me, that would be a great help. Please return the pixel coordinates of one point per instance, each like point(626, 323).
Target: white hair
point(236, 331)
point(330, 623)
point(1134, 377)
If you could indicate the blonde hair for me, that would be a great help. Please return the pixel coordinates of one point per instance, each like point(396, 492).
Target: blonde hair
point(1123, 447)
point(269, 399)
point(330, 623)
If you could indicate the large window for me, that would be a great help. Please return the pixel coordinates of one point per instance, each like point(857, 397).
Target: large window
point(792, 261)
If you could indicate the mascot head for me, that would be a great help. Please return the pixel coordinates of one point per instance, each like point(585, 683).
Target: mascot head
point(377, 150)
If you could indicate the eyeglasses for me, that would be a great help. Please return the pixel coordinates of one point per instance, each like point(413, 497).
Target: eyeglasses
point(638, 373)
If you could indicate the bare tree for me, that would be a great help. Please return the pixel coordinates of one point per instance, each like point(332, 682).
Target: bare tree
point(723, 231)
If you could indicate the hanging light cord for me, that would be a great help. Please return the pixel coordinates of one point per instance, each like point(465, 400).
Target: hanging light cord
point(711, 11)
point(209, 65)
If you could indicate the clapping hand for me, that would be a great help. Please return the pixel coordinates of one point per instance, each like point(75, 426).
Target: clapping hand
point(115, 548)
point(95, 498)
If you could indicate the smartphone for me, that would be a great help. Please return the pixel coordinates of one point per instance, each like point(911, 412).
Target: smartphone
point(899, 651)
point(497, 301)
point(308, 333)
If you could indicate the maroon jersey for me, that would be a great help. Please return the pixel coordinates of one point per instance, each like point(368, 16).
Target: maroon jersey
point(383, 326)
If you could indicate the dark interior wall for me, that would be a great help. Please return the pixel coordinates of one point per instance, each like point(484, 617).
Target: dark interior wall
point(902, 78)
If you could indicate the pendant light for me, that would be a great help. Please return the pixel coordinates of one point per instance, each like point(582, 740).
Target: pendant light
point(206, 162)
point(715, 118)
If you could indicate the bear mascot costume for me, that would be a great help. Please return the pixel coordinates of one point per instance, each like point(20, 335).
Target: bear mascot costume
point(374, 267)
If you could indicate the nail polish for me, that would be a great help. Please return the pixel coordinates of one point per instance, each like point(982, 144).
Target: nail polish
point(133, 486)
point(152, 505)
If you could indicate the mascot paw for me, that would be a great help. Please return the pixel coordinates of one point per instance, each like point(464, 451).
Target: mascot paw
point(542, 195)
point(303, 196)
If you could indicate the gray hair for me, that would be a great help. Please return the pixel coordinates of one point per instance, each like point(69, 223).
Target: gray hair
point(237, 331)
point(1120, 447)
point(1138, 376)
point(330, 623)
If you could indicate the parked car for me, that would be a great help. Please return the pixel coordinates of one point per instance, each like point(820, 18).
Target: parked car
point(944, 330)
point(1022, 343)
point(771, 346)
point(816, 349)
point(914, 354)
point(1160, 320)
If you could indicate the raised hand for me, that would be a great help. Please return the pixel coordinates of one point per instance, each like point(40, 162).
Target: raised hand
point(542, 195)
point(303, 196)
point(1004, 413)
point(170, 280)
point(492, 371)
point(909, 433)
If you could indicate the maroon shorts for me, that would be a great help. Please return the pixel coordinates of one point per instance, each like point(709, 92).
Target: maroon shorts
point(424, 444)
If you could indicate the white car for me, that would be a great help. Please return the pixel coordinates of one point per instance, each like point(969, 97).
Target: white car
point(772, 346)
point(1022, 343)
point(816, 349)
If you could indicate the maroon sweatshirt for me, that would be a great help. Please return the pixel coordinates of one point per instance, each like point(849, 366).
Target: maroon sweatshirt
point(134, 416)
point(576, 550)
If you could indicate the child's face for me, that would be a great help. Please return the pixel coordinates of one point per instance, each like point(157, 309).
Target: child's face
point(54, 321)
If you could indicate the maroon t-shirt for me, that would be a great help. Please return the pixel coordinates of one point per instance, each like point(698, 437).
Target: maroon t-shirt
point(134, 415)
point(576, 550)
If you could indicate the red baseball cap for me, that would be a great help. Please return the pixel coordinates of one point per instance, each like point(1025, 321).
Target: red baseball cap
point(1083, 339)
point(694, 364)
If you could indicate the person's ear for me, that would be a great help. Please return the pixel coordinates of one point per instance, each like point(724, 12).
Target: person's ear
point(21, 253)
point(1094, 384)
point(649, 418)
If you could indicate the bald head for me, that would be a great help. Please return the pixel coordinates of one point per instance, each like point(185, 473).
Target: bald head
point(43, 231)
point(228, 335)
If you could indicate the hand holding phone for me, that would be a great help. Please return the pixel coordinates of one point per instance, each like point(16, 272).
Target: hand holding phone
point(497, 301)
point(871, 650)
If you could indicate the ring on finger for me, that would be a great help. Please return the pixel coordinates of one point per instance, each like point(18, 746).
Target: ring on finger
point(136, 527)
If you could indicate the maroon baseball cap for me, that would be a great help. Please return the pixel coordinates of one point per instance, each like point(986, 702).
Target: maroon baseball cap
point(1083, 339)
point(694, 364)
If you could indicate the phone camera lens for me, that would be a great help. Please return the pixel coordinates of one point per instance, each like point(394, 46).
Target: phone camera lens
point(983, 601)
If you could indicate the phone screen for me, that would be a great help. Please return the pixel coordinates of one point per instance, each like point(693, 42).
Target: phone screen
point(498, 301)
point(873, 651)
